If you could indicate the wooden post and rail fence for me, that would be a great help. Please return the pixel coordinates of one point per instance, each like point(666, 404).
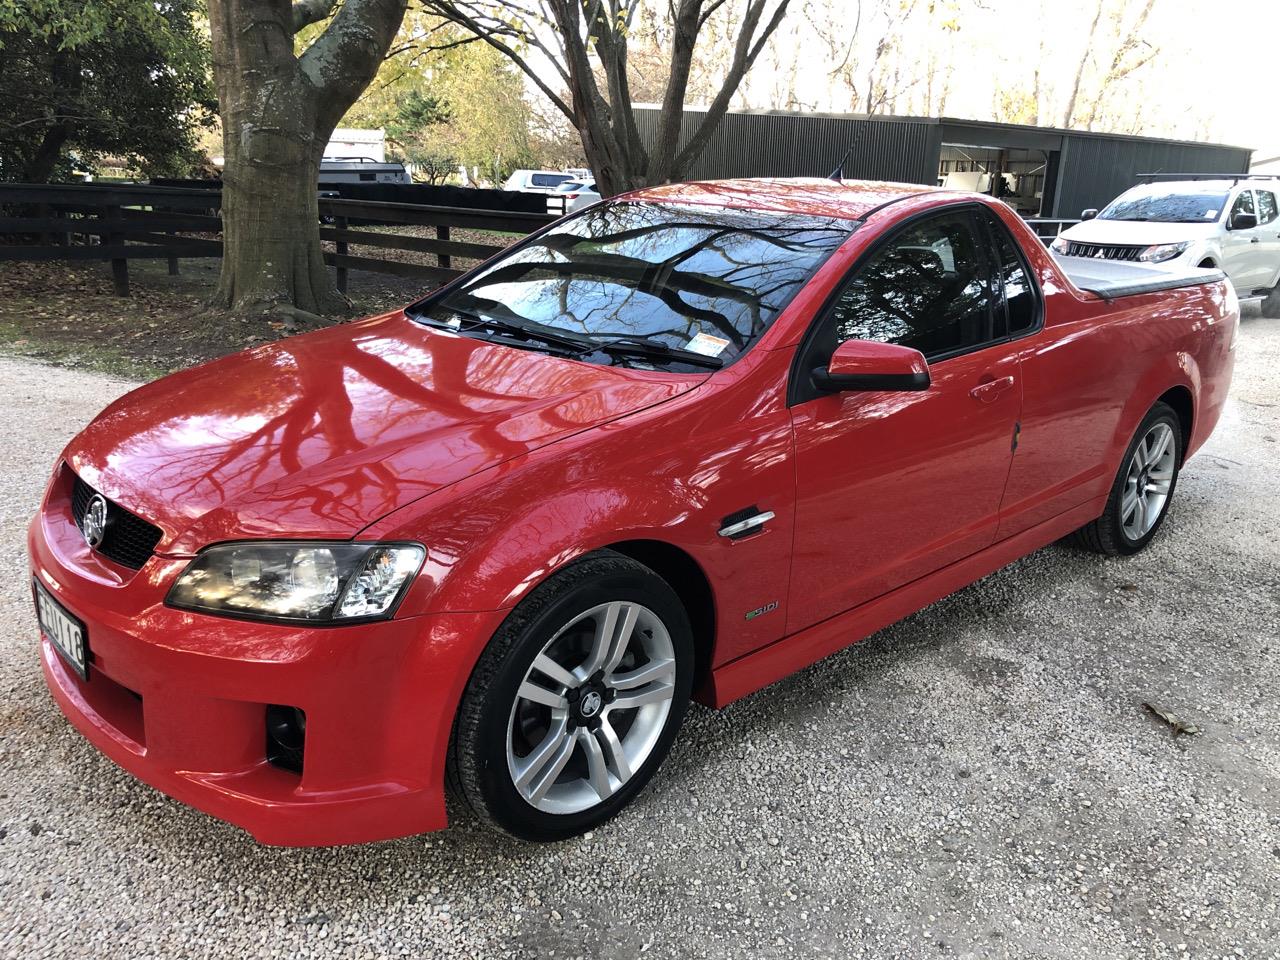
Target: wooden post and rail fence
point(123, 222)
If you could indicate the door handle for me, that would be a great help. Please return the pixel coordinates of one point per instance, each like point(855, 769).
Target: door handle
point(1255, 240)
point(989, 391)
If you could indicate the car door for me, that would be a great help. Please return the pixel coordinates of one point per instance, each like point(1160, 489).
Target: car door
point(1268, 234)
point(1243, 261)
point(892, 486)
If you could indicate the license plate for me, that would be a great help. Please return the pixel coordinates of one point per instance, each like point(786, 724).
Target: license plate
point(67, 633)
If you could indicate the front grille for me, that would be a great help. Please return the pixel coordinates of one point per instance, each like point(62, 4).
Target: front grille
point(1098, 251)
point(129, 540)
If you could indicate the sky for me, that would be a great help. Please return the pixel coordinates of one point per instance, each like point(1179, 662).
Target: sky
point(1214, 75)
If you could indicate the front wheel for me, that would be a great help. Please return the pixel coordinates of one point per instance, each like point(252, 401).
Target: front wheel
point(576, 700)
point(1142, 490)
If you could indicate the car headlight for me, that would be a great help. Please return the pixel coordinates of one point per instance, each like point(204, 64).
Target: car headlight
point(1163, 251)
point(1060, 245)
point(305, 581)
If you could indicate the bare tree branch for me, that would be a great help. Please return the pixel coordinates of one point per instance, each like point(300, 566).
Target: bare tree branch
point(1069, 112)
point(587, 44)
point(492, 31)
point(748, 48)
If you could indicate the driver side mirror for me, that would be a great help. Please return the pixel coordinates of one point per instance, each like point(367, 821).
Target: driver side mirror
point(1244, 221)
point(866, 365)
point(1089, 214)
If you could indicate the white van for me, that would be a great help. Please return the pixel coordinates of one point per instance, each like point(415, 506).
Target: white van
point(335, 170)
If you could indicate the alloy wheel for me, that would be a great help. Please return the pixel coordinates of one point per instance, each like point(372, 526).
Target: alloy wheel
point(591, 707)
point(1148, 481)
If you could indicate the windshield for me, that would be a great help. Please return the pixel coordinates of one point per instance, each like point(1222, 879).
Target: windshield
point(1163, 204)
point(695, 282)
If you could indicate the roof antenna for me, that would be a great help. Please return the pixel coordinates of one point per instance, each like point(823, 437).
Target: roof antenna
point(838, 173)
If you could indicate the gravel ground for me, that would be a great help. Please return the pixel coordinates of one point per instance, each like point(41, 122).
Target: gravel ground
point(980, 780)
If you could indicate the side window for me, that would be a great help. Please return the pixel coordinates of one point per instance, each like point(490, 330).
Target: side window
point(925, 289)
point(1021, 296)
point(1243, 204)
point(1267, 210)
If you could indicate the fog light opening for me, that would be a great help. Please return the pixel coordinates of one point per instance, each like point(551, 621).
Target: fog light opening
point(286, 736)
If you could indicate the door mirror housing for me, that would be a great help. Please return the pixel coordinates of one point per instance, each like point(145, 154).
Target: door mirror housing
point(1244, 221)
point(1089, 214)
point(866, 365)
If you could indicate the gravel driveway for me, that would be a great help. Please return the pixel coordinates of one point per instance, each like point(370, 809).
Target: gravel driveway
point(980, 780)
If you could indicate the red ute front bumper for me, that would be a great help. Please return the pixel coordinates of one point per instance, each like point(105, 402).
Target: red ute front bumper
point(180, 699)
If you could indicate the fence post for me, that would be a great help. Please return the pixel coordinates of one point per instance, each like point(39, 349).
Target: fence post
point(442, 233)
point(119, 265)
point(340, 248)
point(44, 212)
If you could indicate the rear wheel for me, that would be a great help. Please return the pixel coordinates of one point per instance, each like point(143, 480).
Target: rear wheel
point(1140, 496)
point(1271, 303)
point(576, 700)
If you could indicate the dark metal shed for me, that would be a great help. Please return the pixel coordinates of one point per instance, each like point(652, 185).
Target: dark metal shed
point(1065, 170)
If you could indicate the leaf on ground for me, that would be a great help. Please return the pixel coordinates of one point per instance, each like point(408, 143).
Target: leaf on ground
point(1175, 722)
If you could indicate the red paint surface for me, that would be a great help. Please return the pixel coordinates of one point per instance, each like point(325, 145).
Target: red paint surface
point(855, 357)
point(508, 464)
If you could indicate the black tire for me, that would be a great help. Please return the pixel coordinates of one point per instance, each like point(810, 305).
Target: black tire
point(1107, 534)
point(1271, 303)
point(477, 764)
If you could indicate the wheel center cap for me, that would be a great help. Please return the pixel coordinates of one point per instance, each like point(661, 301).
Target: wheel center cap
point(590, 704)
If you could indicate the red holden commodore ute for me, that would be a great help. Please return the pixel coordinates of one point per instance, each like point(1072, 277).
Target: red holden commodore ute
point(676, 445)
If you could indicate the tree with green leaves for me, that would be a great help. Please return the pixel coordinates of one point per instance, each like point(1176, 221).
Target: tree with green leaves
point(279, 108)
point(446, 102)
point(414, 132)
point(127, 78)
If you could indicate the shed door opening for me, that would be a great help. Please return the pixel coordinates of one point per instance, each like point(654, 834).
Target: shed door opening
point(1014, 175)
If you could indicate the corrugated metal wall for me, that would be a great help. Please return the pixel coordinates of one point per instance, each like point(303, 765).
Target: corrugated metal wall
point(1097, 169)
point(807, 145)
point(1094, 169)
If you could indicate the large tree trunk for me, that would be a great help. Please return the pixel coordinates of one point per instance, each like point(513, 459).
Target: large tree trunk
point(66, 84)
point(271, 254)
point(39, 168)
point(278, 112)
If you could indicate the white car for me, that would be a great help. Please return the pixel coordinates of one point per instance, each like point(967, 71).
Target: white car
point(1231, 223)
point(573, 195)
point(536, 181)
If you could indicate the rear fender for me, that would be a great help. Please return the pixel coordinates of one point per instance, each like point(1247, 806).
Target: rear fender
point(1175, 369)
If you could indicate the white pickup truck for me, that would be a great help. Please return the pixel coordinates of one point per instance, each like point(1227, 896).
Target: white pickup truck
point(1230, 223)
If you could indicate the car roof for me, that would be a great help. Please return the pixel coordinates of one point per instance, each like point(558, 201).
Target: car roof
point(1224, 183)
point(818, 196)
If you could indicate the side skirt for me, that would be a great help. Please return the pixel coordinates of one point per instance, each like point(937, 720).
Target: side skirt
point(757, 670)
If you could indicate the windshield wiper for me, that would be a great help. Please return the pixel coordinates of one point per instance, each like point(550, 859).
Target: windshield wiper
point(517, 333)
point(568, 344)
point(638, 346)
